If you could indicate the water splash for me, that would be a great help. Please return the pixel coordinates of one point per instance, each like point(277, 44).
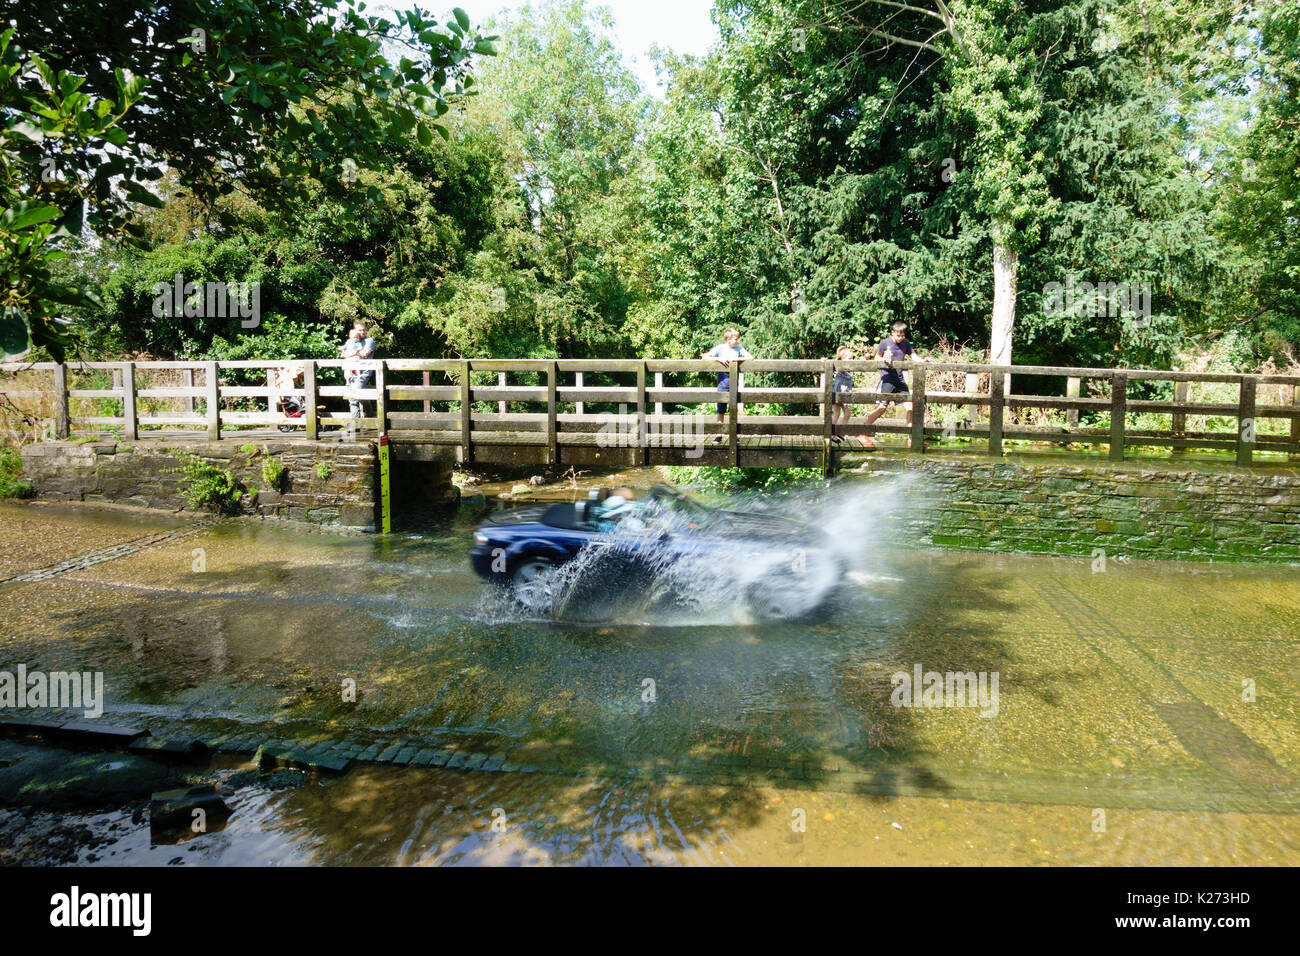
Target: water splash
point(735, 567)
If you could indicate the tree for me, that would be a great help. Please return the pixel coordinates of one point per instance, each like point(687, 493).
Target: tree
point(1262, 203)
point(948, 163)
point(391, 248)
point(232, 94)
point(570, 113)
point(41, 207)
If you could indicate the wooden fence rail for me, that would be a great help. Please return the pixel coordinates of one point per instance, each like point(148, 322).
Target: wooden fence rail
point(463, 406)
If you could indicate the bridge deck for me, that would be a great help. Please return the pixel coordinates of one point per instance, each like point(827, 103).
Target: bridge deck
point(624, 411)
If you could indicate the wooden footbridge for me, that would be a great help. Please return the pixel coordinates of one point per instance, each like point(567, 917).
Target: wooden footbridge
point(597, 412)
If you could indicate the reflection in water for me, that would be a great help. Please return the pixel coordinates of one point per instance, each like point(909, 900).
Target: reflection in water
point(1120, 690)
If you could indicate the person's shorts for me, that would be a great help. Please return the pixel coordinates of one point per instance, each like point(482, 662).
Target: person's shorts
point(893, 388)
point(723, 387)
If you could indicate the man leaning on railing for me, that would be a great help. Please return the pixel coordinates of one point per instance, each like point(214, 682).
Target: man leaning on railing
point(358, 346)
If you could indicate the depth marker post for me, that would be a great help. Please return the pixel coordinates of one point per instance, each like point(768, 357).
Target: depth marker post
point(385, 487)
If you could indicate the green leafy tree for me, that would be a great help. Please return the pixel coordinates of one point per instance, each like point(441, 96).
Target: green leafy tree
point(570, 112)
point(49, 122)
point(1261, 209)
point(232, 94)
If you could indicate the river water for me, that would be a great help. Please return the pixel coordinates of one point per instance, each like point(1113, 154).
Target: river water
point(1143, 713)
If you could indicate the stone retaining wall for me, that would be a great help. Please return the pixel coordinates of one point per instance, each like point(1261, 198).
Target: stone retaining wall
point(145, 474)
point(1129, 509)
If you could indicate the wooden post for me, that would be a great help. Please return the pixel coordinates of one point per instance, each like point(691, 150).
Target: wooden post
point(659, 383)
point(1246, 421)
point(1072, 391)
point(309, 400)
point(1118, 409)
point(1181, 392)
point(552, 410)
point(577, 382)
point(381, 399)
point(918, 409)
point(466, 410)
point(733, 412)
point(187, 379)
point(501, 383)
point(972, 383)
point(61, 416)
point(740, 408)
point(827, 404)
point(1295, 422)
point(128, 401)
point(642, 442)
point(997, 378)
point(213, 400)
point(828, 452)
point(424, 380)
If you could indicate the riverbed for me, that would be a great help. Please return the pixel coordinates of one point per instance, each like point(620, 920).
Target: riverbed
point(1144, 713)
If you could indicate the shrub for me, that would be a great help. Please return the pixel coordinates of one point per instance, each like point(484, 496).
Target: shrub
point(742, 477)
point(209, 486)
point(11, 484)
point(273, 473)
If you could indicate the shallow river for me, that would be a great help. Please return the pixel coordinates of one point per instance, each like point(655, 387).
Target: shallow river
point(1144, 713)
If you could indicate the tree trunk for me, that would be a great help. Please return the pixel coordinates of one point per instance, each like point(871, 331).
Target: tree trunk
point(1006, 274)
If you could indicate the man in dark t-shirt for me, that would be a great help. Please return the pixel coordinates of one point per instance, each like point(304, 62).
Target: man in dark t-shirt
point(896, 348)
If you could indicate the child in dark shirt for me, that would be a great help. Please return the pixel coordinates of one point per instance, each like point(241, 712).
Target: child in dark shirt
point(896, 348)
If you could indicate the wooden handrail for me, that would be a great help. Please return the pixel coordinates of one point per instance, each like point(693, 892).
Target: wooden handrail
point(559, 385)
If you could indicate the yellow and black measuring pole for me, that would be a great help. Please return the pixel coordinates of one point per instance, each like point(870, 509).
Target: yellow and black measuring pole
point(385, 490)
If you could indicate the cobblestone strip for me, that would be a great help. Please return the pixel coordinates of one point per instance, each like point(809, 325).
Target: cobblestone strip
point(108, 554)
point(335, 755)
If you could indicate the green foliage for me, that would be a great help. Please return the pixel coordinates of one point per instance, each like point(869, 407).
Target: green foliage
point(826, 168)
point(249, 449)
point(48, 121)
point(208, 486)
point(1261, 203)
point(322, 470)
point(211, 102)
point(11, 467)
point(742, 478)
point(273, 472)
point(809, 194)
point(405, 262)
point(570, 112)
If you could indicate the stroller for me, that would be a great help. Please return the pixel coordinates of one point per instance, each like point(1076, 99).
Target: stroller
point(291, 406)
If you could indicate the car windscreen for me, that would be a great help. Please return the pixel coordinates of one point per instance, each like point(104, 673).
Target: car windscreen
point(564, 516)
point(681, 504)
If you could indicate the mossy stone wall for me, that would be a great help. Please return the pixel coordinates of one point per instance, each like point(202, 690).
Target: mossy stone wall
point(1132, 509)
point(147, 475)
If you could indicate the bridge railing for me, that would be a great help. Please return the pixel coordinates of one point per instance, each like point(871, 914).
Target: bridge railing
point(555, 403)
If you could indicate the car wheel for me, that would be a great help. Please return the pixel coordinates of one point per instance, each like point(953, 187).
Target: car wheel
point(777, 600)
point(533, 583)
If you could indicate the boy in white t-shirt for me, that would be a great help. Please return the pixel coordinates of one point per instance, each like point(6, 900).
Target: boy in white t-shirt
point(726, 352)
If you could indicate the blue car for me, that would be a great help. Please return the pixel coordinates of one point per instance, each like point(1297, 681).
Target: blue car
point(667, 554)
